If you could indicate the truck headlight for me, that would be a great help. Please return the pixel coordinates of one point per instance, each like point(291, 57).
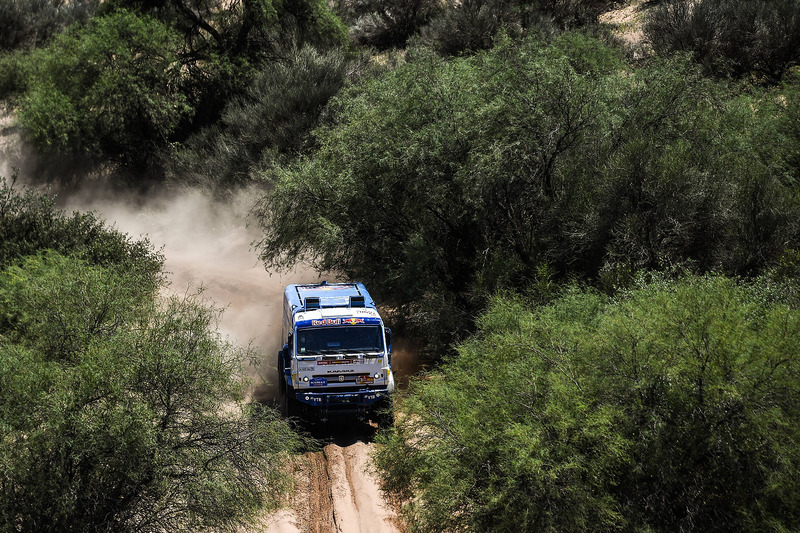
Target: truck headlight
point(377, 376)
point(305, 378)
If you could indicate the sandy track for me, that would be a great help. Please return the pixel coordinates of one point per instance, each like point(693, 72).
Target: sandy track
point(335, 493)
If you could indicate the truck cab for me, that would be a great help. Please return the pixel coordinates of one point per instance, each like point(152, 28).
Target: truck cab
point(336, 359)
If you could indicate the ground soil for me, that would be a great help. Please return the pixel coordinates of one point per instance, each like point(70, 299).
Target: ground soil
point(336, 490)
point(625, 20)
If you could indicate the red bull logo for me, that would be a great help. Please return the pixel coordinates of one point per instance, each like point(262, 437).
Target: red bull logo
point(353, 321)
point(327, 322)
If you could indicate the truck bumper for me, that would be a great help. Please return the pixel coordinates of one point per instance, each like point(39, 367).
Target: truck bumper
point(358, 404)
point(334, 399)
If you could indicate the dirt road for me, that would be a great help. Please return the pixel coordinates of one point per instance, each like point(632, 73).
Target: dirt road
point(335, 489)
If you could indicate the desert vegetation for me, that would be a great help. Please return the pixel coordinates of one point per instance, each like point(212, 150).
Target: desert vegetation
point(668, 407)
point(122, 410)
point(597, 250)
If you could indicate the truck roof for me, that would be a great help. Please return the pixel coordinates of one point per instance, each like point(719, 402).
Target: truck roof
point(310, 296)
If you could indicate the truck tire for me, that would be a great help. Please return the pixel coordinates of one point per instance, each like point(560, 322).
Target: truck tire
point(291, 403)
point(287, 403)
point(384, 413)
point(282, 395)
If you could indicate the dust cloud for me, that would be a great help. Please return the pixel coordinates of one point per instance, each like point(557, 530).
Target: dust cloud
point(206, 243)
point(207, 246)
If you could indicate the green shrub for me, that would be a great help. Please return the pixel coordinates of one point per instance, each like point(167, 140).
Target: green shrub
point(14, 74)
point(390, 24)
point(472, 25)
point(30, 224)
point(267, 125)
point(670, 408)
point(730, 37)
point(111, 88)
point(226, 43)
point(122, 413)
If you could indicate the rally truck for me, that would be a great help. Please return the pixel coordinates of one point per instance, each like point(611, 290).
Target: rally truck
point(336, 360)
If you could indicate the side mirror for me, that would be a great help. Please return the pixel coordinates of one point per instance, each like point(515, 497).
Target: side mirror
point(388, 342)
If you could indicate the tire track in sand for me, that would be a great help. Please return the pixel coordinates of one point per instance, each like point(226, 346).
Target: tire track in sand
point(336, 493)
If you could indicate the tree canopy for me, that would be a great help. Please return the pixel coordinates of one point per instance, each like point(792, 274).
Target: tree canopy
point(289, 96)
point(122, 410)
point(137, 77)
point(730, 37)
point(671, 407)
point(445, 180)
point(111, 88)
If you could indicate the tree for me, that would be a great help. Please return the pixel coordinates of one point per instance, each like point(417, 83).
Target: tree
point(730, 37)
point(123, 414)
point(226, 43)
point(672, 407)
point(289, 96)
point(390, 24)
point(31, 224)
point(400, 193)
point(121, 411)
point(444, 181)
point(464, 27)
point(111, 88)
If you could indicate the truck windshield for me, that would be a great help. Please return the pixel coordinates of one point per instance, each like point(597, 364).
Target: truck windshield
point(339, 339)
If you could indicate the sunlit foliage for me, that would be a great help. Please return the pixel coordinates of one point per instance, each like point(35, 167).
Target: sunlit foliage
point(111, 88)
point(673, 407)
point(121, 410)
point(444, 181)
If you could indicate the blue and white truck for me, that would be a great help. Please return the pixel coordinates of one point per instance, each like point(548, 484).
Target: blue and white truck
point(336, 359)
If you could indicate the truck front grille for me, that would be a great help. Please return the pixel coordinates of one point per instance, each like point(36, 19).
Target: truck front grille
point(346, 379)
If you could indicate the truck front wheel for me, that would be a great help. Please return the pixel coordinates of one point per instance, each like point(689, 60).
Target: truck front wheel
point(291, 403)
point(384, 413)
point(287, 403)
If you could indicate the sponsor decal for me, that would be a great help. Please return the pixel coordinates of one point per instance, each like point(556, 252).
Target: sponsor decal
point(327, 322)
point(318, 382)
point(339, 371)
point(338, 321)
point(364, 379)
point(336, 362)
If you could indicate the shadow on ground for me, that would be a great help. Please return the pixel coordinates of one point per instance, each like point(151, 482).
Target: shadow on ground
point(342, 432)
